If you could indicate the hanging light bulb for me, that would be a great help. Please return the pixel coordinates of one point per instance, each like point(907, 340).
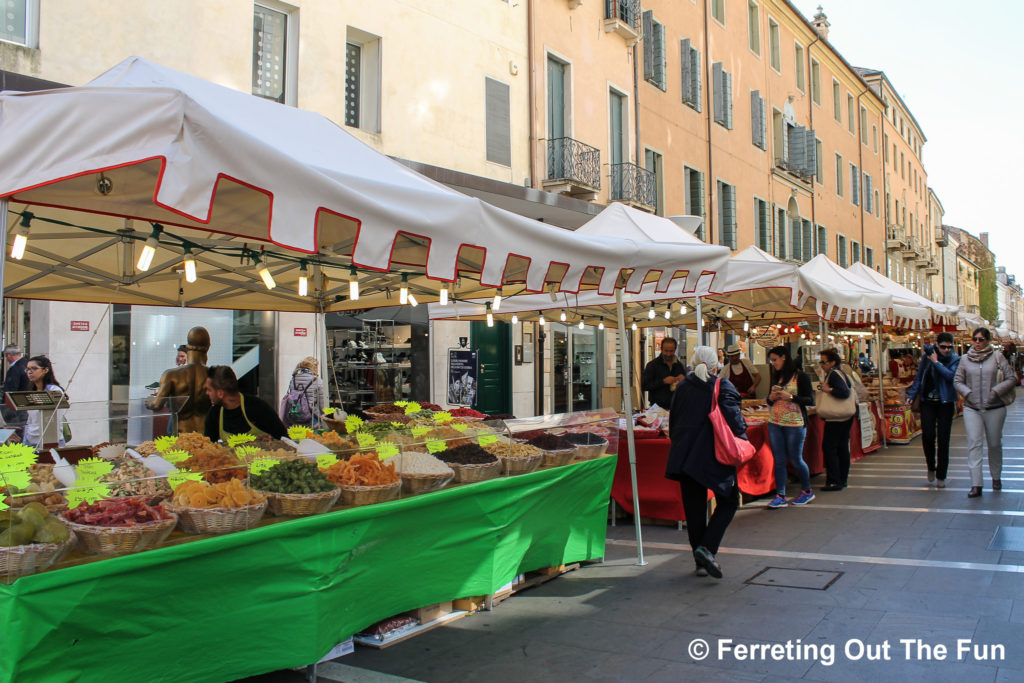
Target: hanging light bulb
point(303, 279)
point(562, 316)
point(353, 284)
point(149, 248)
point(581, 325)
point(444, 296)
point(190, 265)
point(651, 313)
point(668, 313)
point(490, 317)
point(515, 319)
point(633, 326)
point(264, 272)
point(746, 326)
point(403, 291)
point(21, 236)
point(541, 321)
point(682, 308)
point(728, 313)
point(600, 325)
point(412, 300)
point(497, 300)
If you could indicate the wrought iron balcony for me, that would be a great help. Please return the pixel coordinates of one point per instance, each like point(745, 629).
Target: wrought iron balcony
point(633, 185)
point(574, 166)
point(623, 17)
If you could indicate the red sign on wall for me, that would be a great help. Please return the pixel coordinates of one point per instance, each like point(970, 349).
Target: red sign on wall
point(301, 332)
point(79, 325)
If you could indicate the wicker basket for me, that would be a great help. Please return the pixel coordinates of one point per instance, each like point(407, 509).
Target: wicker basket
point(366, 495)
point(591, 451)
point(522, 465)
point(218, 520)
point(19, 502)
point(335, 425)
point(467, 474)
point(557, 458)
point(300, 504)
point(121, 540)
point(20, 560)
point(423, 483)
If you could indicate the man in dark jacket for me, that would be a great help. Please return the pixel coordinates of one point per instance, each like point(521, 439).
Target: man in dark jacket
point(16, 380)
point(933, 385)
point(662, 374)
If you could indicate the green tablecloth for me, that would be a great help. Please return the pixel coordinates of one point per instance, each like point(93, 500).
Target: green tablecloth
point(282, 595)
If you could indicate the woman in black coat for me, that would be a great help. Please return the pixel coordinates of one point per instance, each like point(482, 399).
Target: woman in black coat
point(692, 461)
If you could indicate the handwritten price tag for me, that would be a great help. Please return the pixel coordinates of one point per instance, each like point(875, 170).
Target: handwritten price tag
point(437, 446)
point(93, 468)
point(176, 456)
point(417, 432)
point(386, 449)
point(443, 418)
point(17, 454)
point(176, 479)
point(325, 460)
point(239, 439)
point(298, 433)
point(460, 426)
point(365, 440)
point(86, 491)
point(353, 423)
point(413, 408)
point(262, 465)
point(329, 411)
point(244, 451)
point(165, 443)
point(486, 439)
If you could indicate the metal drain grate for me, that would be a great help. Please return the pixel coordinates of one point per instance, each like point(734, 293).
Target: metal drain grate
point(1007, 538)
point(808, 579)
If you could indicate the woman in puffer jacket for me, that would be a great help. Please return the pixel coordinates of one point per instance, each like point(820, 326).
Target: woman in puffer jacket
point(987, 383)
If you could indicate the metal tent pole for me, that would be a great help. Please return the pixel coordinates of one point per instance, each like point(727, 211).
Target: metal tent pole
point(627, 399)
point(3, 266)
point(700, 322)
point(881, 385)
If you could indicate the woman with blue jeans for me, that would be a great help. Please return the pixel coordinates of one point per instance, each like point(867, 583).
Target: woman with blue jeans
point(789, 398)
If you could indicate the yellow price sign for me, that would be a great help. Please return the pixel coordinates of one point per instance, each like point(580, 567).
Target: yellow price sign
point(18, 455)
point(239, 439)
point(401, 404)
point(175, 456)
point(353, 423)
point(325, 460)
point(165, 443)
point(18, 479)
point(243, 451)
point(262, 465)
point(437, 446)
point(365, 440)
point(329, 411)
point(87, 491)
point(443, 417)
point(176, 479)
point(486, 439)
point(298, 433)
point(386, 449)
point(460, 426)
point(417, 432)
point(93, 468)
point(413, 408)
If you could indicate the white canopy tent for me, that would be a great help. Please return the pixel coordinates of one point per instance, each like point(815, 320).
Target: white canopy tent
point(906, 300)
point(841, 296)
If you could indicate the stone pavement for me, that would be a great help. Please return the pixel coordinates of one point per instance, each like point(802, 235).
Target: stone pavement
point(907, 561)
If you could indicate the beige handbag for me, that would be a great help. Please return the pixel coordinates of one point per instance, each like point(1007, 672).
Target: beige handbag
point(831, 409)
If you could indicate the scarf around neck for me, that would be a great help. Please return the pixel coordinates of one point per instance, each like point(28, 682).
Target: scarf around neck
point(980, 356)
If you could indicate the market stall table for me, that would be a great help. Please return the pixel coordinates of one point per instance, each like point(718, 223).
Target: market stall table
point(283, 595)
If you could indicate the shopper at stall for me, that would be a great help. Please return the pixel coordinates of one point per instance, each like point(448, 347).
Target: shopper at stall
point(692, 461)
point(232, 412)
point(304, 400)
point(835, 441)
point(15, 380)
point(662, 374)
point(741, 372)
point(789, 398)
point(988, 385)
point(933, 390)
point(39, 370)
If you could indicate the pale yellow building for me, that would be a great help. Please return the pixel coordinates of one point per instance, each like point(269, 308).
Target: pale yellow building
point(968, 275)
point(934, 275)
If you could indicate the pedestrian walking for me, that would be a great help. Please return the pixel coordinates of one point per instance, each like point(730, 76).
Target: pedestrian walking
point(692, 460)
point(789, 399)
point(837, 389)
point(986, 381)
point(933, 391)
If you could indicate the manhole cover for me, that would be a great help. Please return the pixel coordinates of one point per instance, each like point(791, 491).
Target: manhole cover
point(1007, 538)
point(811, 579)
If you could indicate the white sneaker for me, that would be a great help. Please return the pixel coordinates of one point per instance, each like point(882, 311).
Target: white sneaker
point(941, 483)
point(931, 476)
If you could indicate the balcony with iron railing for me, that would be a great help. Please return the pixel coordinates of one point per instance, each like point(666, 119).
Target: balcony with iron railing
point(623, 17)
point(633, 185)
point(573, 168)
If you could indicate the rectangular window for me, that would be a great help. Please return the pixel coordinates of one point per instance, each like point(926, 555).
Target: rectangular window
point(653, 163)
point(869, 257)
point(758, 125)
point(864, 125)
point(727, 214)
point(822, 240)
point(855, 252)
point(878, 210)
point(723, 95)
point(774, 45)
point(808, 240)
point(270, 53)
point(851, 120)
point(498, 122)
point(903, 166)
point(353, 73)
point(816, 82)
point(868, 194)
point(819, 163)
point(753, 28)
point(763, 225)
point(654, 51)
point(837, 101)
point(885, 147)
point(839, 174)
point(841, 250)
point(19, 22)
point(854, 185)
point(689, 59)
point(718, 11)
point(796, 238)
point(362, 80)
point(780, 233)
point(799, 61)
point(874, 138)
point(694, 181)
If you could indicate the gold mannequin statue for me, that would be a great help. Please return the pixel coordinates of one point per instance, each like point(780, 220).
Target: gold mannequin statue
point(188, 380)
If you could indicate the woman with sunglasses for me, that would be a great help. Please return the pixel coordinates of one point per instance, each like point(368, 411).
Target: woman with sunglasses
point(790, 396)
point(987, 383)
point(41, 378)
point(933, 387)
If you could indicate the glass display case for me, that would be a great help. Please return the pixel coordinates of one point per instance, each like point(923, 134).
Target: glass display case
point(370, 365)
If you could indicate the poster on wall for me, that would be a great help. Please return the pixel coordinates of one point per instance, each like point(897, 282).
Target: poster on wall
point(867, 425)
point(463, 371)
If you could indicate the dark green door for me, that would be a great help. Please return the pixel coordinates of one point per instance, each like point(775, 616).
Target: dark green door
point(494, 385)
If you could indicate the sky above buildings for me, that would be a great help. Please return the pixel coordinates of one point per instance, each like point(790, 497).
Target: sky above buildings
point(957, 67)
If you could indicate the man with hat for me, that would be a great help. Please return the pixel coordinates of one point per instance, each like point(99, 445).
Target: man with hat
point(741, 372)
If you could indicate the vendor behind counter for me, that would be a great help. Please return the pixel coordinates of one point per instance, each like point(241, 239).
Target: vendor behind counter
point(232, 412)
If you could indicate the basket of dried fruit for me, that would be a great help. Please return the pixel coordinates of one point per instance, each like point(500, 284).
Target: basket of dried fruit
point(421, 472)
point(32, 541)
point(471, 463)
point(364, 479)
point(295, 488)
point(588, 445)
point(559, 457)
point(42, 489)
point(516, 458)
point(118, 526)
point(224, 508)
point(131, 478)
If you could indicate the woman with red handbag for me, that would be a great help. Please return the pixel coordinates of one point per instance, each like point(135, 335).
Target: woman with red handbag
point(692, 460)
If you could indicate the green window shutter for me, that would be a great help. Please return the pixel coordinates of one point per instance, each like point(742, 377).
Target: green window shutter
point(696, 84)
point(718, 89)
point(684, 69)
point(648, 17)
point(498, 123)
point(660, 61)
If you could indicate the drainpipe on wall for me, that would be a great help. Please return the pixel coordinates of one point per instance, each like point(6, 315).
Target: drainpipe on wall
point(531, 75)
point(860, 167)
point(636, 106)
point(810, 124)
point(709, 214)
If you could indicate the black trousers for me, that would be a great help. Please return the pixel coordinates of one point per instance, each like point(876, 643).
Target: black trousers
point(835, 448)
point(936, 421)
point(703, 531)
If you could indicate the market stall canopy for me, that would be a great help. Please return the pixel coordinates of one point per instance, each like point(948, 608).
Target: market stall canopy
point(236, 178)
point(841, 296)
point(942, 314)
point(971, 321)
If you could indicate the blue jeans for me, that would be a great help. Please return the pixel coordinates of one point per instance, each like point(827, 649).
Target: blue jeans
point(788, 446)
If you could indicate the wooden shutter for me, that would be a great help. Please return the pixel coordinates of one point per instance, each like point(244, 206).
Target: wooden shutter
point(796, 152)
point(727, 228)
point(684, 69)
point(648, 16)
point(659, 56)
point(854, 185)
point(867, 194)
point(822, 240)
point(696, 74)
point(780, 232)
point(808, 240)
point(727, 83)
point(796, 238)
point(499, 131)
point(810, 160)
point(757, 119)
point(718, 87)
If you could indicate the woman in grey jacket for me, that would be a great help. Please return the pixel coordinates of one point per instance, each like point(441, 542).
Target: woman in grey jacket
point(986, 396)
